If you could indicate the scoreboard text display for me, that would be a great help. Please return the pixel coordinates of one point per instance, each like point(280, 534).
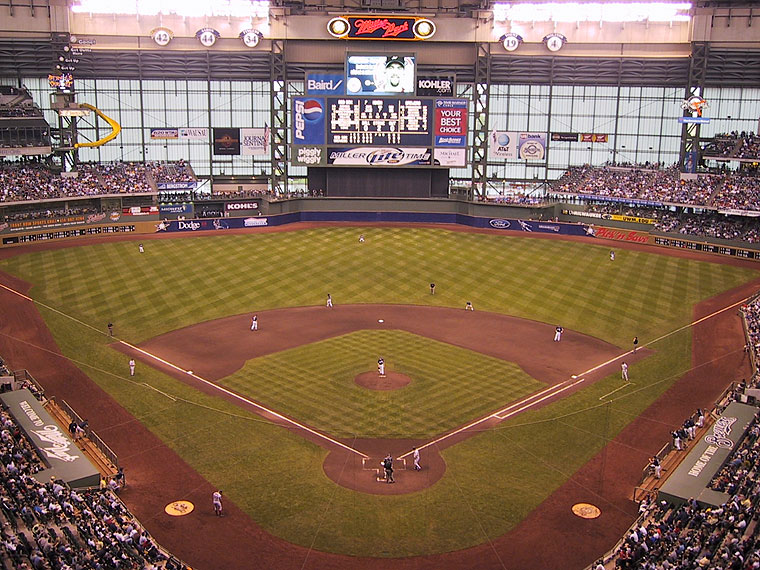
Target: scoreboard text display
point(375, 131)
point(379, 121)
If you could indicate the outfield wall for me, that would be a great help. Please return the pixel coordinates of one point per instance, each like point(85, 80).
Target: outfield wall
point(538, 219)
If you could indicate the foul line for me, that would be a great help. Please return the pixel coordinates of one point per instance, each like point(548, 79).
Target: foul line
point(617, 389)
point(524, 404)
point(243, 399)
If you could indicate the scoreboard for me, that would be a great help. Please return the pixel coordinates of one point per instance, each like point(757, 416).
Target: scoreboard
point(376, 121)
point(379, 131)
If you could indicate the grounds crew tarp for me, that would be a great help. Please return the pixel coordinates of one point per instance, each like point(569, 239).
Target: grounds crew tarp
point(707, 456)
point(64, 459)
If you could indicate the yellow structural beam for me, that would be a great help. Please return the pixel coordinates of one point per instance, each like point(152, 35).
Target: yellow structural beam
point(116, 129)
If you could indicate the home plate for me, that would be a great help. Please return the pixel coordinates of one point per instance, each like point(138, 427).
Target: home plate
point(380, 321)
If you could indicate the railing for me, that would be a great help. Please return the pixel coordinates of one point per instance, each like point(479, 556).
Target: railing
point(91, 435)
point(22, 379)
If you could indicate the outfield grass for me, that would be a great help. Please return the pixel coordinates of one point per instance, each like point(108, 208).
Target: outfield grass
point(492, 480)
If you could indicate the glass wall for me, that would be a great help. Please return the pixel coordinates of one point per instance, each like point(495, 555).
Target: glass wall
point(641, 123)
point(139, 106)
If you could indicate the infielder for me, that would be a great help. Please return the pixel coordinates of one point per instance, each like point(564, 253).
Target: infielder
point(381, 366)
point(329, 301)
point(558, 334)
point(254, 323)
point(469, 307)
point(216, 499)
point(131, 366)
point(624, 368)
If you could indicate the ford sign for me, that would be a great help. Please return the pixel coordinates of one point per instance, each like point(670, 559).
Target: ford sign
point(499, 224)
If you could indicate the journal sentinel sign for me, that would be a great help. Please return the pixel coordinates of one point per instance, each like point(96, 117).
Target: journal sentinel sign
point(325, 84)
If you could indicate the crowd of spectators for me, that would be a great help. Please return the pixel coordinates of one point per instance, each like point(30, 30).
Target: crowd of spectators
point(35, 180)
point(741, 145)
point(49, 526)
point(694, 536)
point(638, 184)
point(705, 224)
point(751, 312)
point(739, 192)
point(178, 171)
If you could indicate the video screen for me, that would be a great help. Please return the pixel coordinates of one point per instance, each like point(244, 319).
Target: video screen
point(380, 74)
point(63, 82)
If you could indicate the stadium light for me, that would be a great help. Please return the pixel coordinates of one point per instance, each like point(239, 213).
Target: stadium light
point(593, 12)
point(187, 8)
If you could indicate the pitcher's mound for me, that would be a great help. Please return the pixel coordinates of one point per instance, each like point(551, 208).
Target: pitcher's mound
point(391, 380)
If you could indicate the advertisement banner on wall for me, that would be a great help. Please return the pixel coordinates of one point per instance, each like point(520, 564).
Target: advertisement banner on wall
point(193, 133)
point(325, 84)
point(450, 122)
point(503, 144)
point(565, 137)
point(227, 141)
point(307, 155)
point(438, 85)
point(170, 209)
point(450, 157)
point(594, 138)
point(164, 134)
point(254, 142)
point(213, 224)
point(190, 185)
point(308, 120)
point(532, 146)
point(382, 156)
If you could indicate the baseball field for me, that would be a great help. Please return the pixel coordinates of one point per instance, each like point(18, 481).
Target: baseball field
point(295, 441)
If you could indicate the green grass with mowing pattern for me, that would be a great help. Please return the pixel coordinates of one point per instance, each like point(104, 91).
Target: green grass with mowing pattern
point(450, 385)
point(492, 481)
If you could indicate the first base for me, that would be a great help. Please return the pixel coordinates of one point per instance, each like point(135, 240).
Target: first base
point(380, 321)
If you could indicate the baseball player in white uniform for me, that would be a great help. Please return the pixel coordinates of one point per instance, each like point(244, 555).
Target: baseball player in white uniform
point(131, 366)
point(329, 301)
point(254, 323)
point(558, 334)
point(469, 307)
point(142, 249)
point(216, 499)
point(624, 368)
point(416, 456)
point(381, 366)
point(612, 255)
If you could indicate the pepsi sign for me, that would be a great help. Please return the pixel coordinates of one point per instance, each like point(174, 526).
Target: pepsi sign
point(308, 120)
